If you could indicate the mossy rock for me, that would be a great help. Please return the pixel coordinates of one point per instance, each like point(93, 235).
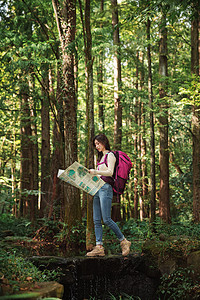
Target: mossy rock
point(38, 290)
point(193, 261)
point(152, 248)
point(158, 250)
point(173, 252)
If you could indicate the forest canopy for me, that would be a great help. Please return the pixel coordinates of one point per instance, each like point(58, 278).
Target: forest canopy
point(72, 69)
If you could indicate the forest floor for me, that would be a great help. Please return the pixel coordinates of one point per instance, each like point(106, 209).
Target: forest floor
point(19, 240)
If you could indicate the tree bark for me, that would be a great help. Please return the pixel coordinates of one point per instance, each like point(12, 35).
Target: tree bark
point(57, 159)
point(117, 77)
point(116, 212)
point(90, 237)
point(65, 12)
point(35, 156)
point(100, 79)
point(26, 168)
point(136, 168)
point(195, 117)
point(152, 137)
point(45, 148)
point(142, 145)
point(164, 203)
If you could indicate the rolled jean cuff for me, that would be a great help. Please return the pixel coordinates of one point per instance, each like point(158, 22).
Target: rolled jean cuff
point(99, 243)
point(122, 239)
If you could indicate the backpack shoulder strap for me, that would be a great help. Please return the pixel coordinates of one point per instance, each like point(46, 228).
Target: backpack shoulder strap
point(105, 161)
point(116, 154)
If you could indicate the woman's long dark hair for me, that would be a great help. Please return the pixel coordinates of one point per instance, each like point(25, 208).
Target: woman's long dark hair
point(101, 138)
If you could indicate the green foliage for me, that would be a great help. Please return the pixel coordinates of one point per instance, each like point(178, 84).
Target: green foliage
point(30, 40)
point(18, 227)
point(190, 92)
point(179, 285)
point(177, 229)
point(29, 295)
point(121, 297)
point(185, 239)
point(16, 270)
point(124, 297)
point(73, 238)
point(179, 238)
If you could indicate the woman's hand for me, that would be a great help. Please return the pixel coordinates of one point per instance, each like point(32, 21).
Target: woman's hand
point(93, 172)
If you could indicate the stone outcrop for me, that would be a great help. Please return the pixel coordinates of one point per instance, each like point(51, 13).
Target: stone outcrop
point(37, 291)
point(102, 277)
point(173, 254)
point(193, 261)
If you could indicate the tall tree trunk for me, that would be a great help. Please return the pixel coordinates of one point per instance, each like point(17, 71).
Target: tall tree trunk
point(152, 137)
point(65, 12)
point(143, 162)
point(100, 91)
point(116, 212)
point(35, 158)
point(45, 149)
point(27, 175)
point(100, 79)
point(13, 176)
point(57, 160)
point(136, 168)
point(195, 117)
point(26, 169)
point(164, 203)
point(117, 77)
point(90, 237)
point(142, 143)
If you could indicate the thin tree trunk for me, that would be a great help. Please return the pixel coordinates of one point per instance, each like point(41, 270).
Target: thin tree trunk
point(195, 117)
point(27, 145)
point(13, 176)
point(56, 191)
point(26, 154)
point(152, 137)
point(117, 77)
point(144, 184)
point(45, 148)
point(35, 159)
point(116, 212)
point(142, 143)
point(136, 168)
point(100, 92)
point(100, 79)
point(90, 237)
point(164, 204)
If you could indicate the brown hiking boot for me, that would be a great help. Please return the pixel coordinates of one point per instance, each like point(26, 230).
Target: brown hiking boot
point(125, 245)
point(97, 251)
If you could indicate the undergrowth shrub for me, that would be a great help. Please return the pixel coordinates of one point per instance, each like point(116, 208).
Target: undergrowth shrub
point(75, 235)
point(15, 270)
point(179, 285)
point(19, 227)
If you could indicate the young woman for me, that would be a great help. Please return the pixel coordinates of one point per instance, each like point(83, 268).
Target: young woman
point(103, 198)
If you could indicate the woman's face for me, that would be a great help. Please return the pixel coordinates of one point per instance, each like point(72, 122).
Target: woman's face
point(99, 146)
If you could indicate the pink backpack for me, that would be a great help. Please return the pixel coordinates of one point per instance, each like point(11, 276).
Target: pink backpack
point(123, 166)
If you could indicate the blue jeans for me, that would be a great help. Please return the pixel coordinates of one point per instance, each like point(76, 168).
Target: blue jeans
point(102, 210)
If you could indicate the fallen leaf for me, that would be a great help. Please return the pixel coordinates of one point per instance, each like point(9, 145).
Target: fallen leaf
point(24, 289)
point(36, 286)
point(29, 278)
